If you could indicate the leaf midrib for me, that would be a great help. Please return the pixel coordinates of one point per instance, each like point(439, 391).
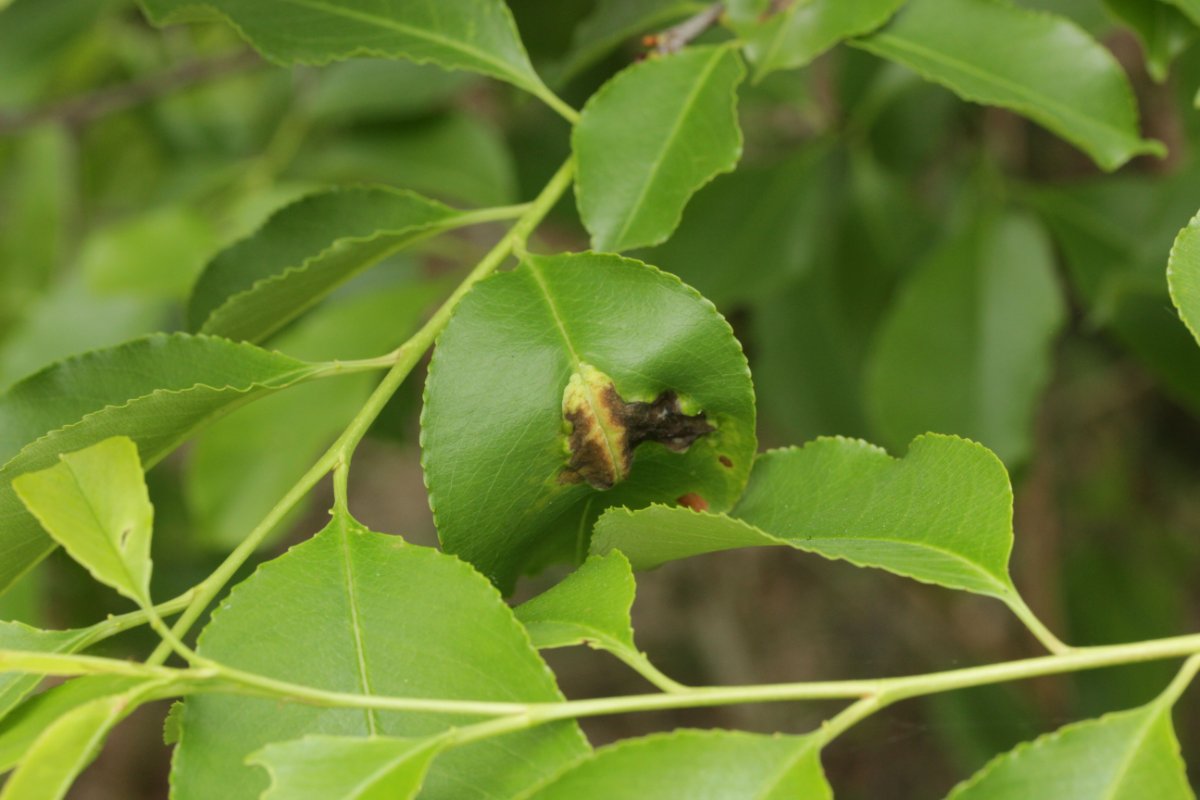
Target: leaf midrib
point(1022, 92)
point(577, 364)
point(669, 141)
point(355, 624)
point(501, 66)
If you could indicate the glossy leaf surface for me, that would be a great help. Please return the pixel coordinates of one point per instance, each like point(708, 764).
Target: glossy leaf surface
point(1126, 755)
point(802, 31)
point(302, 253)
point(346, 768)
point(1183, 275)
point(374, 615)
point(966, 347)
point(1039, 65)
point(95, 504)
point(698, 765)
point(590, 604)
point(942, 514)
point(154, 390)
point(652, 136)
point(475, 35)
point(496, 445)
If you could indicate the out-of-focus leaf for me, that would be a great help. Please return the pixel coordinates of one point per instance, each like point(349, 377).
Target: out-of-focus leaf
point(1046, 68)
point(803, 30)
point(379, 616)
point(96, 321)
point(751, 232)
point(729, 765)
point(523, 351)
point(1114, 235)
point(1165, 33)
point(475, 35)
point(942, 514)
point(303, 252)
point(652, 136)
point(346, 768)
point(157, 254)
point(1189, 7)
point(615, 21)
point(368, 89)
point(243, 464)
point(455, 157)
point(966, 347)
point(39, 193)
point(95, 503)
point(154, 390)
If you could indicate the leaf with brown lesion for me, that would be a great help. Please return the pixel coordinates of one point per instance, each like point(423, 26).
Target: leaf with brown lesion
point(605, 429)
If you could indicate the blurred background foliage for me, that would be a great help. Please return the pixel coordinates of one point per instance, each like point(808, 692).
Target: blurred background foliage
point(893, 260)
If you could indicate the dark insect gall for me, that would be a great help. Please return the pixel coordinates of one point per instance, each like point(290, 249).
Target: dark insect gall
point(605, 430)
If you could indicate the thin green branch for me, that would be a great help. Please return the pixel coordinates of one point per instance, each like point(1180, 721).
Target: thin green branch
point(404, 359)
point(871, 695)
point(1043, 634)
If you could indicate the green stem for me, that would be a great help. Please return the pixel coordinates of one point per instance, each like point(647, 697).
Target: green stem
point(871, 695)
point(404, 359)
point(1044, 635)
point(638, 662)
point(110, 627)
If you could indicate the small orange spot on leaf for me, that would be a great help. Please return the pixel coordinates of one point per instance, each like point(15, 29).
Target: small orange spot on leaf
point(693, 501)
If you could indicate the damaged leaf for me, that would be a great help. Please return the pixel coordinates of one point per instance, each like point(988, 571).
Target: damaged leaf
point(605, 430)
point(545, 383)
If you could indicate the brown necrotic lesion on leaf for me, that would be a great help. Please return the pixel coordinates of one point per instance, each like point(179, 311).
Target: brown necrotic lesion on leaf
point(605, 430)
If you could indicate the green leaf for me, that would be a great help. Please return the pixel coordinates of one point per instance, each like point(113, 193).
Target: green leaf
point(1191, 8)
point(20, 729)
point(1164, 32)
point(652, 136)
point(346, 768)
point(507, 490)
point(729, 765)
point(1126, 755)
point(590, 605)
point(942, 514)
point(154, 390)
point(1039, 65)
point(966, 347)
point(1113, 235)
point(68, 745)
point(802, 31)
point(454, 156)
point(241, 465)
point(612, 22)
point(303, 252)
point(475, 35)
point(15, 636)
point(375, 615)
point(155, 254)
point(369, 90)
point(1183, 275)
point(95, 504)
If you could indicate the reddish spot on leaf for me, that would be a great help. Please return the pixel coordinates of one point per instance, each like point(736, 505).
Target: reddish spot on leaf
point(725, 462)
point(693, 501)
